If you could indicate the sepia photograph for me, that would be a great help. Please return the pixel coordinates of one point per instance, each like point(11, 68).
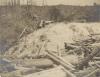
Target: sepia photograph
point(49, 38)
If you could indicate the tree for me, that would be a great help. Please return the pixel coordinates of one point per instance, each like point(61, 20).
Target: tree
point(55, 14)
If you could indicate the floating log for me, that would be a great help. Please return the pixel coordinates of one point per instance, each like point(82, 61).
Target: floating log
point(95, 34)
point(69, 74)
point(28, 71)
point(85, 61)
point(94, 63)
point(54, 72)
point(40, 63)
point(92, 73)
point(96, 58)
point(70, 46)
point(41, 48)
point(60, 60)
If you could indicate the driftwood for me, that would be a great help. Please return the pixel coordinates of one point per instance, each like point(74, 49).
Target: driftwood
point(60, 60)
point(85, 61)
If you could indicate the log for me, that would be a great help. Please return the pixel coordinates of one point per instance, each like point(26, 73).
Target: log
point(69, 74)
point(28, 71)
point(54, 72)
point(96, 58)
point(85, 61)
point(95, 63)
point(94, 34)
point(40, 63)
point(92, 73)
point(61, 61)
point(70, 46)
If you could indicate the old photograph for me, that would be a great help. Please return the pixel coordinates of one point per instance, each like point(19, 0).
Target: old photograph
point(49, 38)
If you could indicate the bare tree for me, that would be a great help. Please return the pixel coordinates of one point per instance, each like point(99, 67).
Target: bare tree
point(11, 2)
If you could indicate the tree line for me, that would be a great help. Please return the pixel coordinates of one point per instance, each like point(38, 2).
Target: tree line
point(16, 2)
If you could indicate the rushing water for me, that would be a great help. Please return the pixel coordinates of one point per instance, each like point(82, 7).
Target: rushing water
point(6, 66)
point(56, 34)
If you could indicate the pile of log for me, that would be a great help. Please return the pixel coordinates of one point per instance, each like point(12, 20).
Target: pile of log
point(90, 48)
point(88, 66)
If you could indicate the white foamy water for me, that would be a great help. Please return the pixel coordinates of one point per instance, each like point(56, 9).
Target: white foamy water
point(57, 34)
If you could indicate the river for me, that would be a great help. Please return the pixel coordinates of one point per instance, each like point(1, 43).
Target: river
point(6, 66)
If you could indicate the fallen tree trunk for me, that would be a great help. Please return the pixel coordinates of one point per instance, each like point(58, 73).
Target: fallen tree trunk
point(84, 62)
point(60, 60)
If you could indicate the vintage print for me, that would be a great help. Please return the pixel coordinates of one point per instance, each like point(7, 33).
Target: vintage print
point(49, 38)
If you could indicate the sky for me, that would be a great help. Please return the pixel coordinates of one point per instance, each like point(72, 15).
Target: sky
point(69, 2)
point(56, 2)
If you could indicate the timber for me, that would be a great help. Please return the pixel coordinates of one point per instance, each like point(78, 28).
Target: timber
point(96, 58)
point(61, 61)
point(69, 74)
point(92, 73)
point(58, 71)
point(40, 63)
point(85, 61)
